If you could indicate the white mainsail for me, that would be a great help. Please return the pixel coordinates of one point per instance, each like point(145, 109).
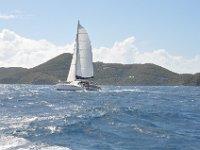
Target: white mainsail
point(81, 65)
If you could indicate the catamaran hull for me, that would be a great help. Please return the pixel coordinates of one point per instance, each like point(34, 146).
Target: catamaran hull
point(68, 87)
point(92, 88)
point(77, 87)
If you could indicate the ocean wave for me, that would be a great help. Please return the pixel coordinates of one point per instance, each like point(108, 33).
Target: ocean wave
point(121, 90)
point(17, 122)
point(11, 142)
point(15, 143)
point(39, 117)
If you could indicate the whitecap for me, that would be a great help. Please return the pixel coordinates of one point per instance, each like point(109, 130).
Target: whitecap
point(17, 122)
point(53, 129)
point(10, 97)
point(48, 104)
point(127, 90)
point(139, 129)
point(120, 89)
point(8, 142)
point(13, 143)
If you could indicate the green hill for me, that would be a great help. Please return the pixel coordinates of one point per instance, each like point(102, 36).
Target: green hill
point(57, 69)
point(49, 72)
point(11, 75)
point(135, 74)
point(193, 80)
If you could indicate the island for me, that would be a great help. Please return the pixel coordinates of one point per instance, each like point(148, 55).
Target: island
point(56, 69)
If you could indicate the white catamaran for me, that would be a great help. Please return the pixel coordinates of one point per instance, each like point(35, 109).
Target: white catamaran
point(81, 67)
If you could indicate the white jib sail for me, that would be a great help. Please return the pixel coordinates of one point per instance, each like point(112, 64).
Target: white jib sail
point(72, 72)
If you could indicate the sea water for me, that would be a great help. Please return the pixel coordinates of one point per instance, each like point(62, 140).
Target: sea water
point(116, 118)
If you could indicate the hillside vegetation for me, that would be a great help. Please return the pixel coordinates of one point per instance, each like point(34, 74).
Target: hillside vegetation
point(57, 69)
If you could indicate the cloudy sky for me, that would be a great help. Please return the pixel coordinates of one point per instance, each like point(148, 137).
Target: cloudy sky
point(166, 33)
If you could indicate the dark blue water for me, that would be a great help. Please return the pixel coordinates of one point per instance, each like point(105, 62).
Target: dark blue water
point(117, 118)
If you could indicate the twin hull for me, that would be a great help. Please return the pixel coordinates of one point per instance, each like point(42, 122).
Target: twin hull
point(67, 87)
point(77, 86)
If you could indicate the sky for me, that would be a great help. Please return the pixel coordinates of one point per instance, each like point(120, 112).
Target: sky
point(163, 32)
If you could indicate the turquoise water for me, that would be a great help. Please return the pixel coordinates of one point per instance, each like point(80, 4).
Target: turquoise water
point(117, 118)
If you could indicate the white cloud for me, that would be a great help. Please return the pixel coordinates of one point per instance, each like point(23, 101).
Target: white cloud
point(126, 52)
point(121, 52)
point(7, 16)
point(23, 52)
point(177, 64)
point(13, 15)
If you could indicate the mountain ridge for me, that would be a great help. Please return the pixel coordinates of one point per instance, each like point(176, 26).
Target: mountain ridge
point(57, 69)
